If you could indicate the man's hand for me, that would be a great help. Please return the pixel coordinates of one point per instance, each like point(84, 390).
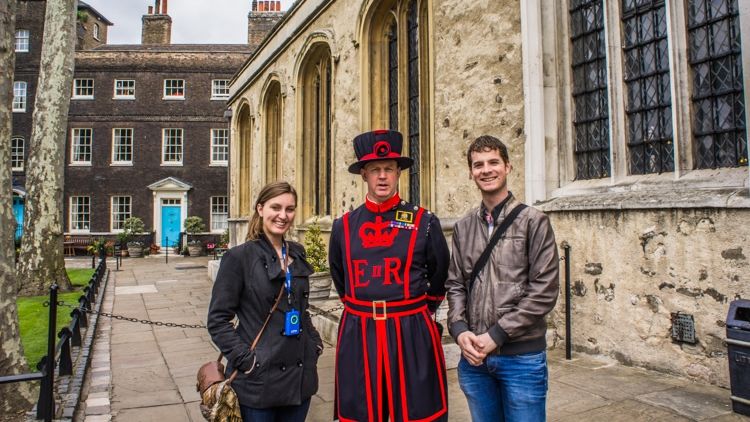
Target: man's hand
point(470, 348)
point(485, 344)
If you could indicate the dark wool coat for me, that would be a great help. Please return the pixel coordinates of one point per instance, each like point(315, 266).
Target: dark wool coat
point(284, 369)
point(392, 257)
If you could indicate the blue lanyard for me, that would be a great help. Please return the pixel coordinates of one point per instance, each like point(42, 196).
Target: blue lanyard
point(288, 273)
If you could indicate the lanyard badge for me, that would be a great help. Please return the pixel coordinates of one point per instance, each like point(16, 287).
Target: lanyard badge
point(291, 317)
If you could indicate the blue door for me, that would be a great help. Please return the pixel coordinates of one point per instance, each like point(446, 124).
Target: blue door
point(170, 225)
point(18, 213)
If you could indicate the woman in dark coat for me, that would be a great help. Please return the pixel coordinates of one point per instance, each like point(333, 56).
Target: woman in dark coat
point(277, 379)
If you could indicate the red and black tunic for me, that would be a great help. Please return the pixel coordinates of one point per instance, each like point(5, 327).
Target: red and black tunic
point(389, 264)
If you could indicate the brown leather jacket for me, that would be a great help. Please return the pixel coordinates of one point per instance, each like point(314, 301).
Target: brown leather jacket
point(515, 290)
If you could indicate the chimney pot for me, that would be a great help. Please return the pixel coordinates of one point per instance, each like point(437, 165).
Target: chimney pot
point(157, 8)
point(151, 10)
point(164, 5)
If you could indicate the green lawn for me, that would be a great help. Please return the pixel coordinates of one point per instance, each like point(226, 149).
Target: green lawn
point(33, 316)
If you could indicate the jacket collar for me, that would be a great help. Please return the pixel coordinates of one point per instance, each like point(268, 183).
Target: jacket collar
point(501, 210)
point(300, 267)
point(388, 205)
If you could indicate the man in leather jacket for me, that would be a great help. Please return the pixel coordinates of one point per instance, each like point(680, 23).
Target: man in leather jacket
point(498, 319)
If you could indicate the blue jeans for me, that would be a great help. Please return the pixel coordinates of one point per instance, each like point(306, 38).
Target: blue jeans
point(506, 388)
point(276, 414)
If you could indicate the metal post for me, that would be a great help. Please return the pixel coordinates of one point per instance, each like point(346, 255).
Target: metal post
point(568, 334)
point(93, 260)
point(46, 406)
point(166, 246)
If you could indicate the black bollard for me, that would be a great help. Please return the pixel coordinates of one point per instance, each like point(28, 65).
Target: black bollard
point(568, 334)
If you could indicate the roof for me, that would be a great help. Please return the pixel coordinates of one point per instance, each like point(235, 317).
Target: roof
point(83, 5)
point(198, 48)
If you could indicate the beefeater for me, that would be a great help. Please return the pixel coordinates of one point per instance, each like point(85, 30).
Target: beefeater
point(389, 261)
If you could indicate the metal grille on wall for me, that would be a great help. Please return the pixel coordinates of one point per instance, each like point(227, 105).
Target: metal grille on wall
point(649, 100)
point(718, 101)
point(589, 65)
point(393, 77)
point(413, 62)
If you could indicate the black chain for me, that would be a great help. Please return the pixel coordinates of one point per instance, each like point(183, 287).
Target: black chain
point(124, 318)
point(326, 311)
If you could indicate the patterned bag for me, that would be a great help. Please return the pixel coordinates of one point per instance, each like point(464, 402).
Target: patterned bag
point(218, 400)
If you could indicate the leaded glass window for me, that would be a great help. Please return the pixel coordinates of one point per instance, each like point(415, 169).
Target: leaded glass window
point(393, 77)
point(414, 123)
point(718, 99)
point(591, 105)
point(649, 100)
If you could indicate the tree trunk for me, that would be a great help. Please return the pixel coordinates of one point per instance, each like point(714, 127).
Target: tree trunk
point(14, 398)
point(41, 262)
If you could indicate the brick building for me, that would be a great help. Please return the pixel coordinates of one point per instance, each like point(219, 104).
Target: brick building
point(91, 31)
point(148, 136)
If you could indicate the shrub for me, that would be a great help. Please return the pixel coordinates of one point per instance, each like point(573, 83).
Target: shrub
point(315, 248)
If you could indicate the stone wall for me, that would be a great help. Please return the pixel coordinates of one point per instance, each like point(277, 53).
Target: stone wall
point(476, 89)
point(631, 269)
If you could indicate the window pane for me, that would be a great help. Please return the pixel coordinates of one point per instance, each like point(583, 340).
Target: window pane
point(122, 145)
point(219, 213)
point(718, 92)
point(219, 145)
point(81, 146)
point(393, 76)
point(174, 88)
point(172, 145)
point(124, 88)
point(80, 213)
point(413, 106)
point(121, 211)
point(589, 70)
point(16, 153)
point(219, 88)
point(22, 41)
point(647, 82)
point(83, 88)
point(19, 96)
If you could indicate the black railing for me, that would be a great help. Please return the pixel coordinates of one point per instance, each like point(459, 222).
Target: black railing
point(70, 336)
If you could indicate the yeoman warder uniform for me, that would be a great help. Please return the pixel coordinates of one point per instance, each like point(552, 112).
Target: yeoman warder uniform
point(389, 264)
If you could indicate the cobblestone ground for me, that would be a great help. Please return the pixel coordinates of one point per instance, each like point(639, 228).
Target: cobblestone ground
point(147, 373)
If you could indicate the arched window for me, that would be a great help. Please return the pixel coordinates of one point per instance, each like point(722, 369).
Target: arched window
point(315, 151)
point(272, 110)
point(95, 31)
point(244, 161)
point(399, 98)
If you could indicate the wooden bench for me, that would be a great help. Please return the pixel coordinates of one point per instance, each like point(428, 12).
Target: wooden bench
point(73, 243)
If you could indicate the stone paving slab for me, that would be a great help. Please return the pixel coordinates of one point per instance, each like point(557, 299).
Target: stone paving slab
point(152, 369)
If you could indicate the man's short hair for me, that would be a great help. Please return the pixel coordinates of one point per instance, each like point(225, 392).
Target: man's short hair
point(487, 142)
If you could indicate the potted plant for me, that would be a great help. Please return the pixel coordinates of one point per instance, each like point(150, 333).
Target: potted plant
point(193, 226)
point(320, 280)
point(100, 244)
point(131, 226)
point(122, 241)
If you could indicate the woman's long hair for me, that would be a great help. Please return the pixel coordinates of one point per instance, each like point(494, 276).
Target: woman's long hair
point(269, 191)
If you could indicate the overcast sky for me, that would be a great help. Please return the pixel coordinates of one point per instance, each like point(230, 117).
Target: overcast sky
point(193, 21)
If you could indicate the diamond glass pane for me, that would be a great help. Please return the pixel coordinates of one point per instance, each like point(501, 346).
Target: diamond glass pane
point(414, 114)
point(393, 77)
point(648, 87)
point(718, 92)
point(589, 70)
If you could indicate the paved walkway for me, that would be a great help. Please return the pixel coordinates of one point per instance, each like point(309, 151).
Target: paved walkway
point(147, 373)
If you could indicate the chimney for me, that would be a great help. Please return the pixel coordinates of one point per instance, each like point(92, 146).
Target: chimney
point(264, 14)
point(157, 25)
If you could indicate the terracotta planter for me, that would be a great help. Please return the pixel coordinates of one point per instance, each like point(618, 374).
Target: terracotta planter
point(320, 285)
